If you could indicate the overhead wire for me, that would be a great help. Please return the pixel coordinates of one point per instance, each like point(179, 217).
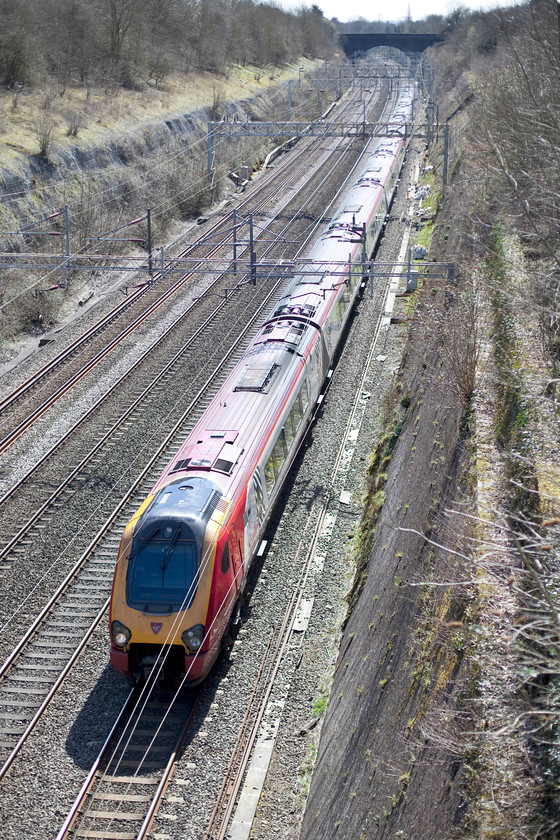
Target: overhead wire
point(58, 559)
point(174, 200)
point(159, 160)
point(149, 686)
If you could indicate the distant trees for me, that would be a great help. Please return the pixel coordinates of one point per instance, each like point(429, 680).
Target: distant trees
point(508, 63)
point(132, 41)
point(119, 17)
point(518, 126)
point(520, 112)
point(17, 43)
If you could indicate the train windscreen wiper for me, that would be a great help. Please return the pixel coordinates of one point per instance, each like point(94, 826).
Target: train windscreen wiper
point(168, 551)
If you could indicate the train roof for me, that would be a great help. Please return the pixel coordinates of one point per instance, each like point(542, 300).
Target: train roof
point(238, 416)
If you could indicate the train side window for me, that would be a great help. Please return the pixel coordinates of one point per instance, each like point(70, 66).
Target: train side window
point(290, 430)
point(274, 463)
point(304, 396)
point(278, 454)
point(269, 476)
point(297, 412)
point(288, 433)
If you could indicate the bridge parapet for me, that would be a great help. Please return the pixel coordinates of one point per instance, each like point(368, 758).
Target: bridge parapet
point(406, 42)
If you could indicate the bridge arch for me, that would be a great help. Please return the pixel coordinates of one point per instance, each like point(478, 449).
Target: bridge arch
point(407, 42)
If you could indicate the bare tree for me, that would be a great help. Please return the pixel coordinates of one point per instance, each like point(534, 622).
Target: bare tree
point(120, 16)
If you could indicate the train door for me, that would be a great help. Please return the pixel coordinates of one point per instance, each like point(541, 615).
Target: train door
point(317, 367)
point(236, 557)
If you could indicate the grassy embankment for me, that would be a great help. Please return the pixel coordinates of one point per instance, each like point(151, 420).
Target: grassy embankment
point(84, 115)
point(507, 631)
point(126, 162)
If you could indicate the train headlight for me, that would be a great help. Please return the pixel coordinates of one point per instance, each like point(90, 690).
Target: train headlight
point(193, 638)
point(120, 634)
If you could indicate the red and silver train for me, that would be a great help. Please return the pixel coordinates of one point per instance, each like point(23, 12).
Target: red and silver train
point(184, 557)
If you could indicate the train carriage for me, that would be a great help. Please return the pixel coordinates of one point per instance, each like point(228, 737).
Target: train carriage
point(184, 557)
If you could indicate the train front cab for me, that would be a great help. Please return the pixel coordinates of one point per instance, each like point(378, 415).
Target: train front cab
point(176, 584)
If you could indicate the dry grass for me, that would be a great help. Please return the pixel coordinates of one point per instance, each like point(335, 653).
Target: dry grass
point(516, 656)
point(108, 110)
point(170, 178)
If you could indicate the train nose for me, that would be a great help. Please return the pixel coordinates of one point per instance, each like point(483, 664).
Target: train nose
point(163, 664)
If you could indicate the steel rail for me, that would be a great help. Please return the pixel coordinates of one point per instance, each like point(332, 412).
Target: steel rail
point(140, 478)
point(69, 825)
point(168, 772)
point(78, 566)
point(148, 471)
point(48, 502)
point(98, 618)
point(9, 546)
point(219, 823)
point(283, 638)
point(25, 424)
point(109, 433)
point(217, 812)
point(120, 308)
point(218, 827)
point(52, 691)
point(166, 442)
point(130, 700)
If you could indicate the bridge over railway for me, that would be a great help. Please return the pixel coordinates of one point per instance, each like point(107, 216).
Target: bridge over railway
point(407, 42)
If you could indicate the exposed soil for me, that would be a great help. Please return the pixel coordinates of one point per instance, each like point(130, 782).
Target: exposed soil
point(381, 767)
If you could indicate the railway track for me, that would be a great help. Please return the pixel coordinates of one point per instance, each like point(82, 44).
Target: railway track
point(34, 670)
point(124, 791)
point(129, 778)
point(65, 370)
point(49, 494)
point(309, 558)
point(135, 765)
point(37, 666)
point(144, 390)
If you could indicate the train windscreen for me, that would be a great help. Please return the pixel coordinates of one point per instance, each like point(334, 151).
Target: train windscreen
point(162, 570)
